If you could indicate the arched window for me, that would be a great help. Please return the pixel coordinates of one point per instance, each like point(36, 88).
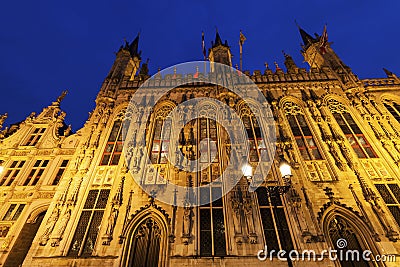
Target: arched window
point(113, 150)
point(390, 194)
point(301, 132)
point(350, 129)
point(145, 244)
point(344, 238)
point(393, 108)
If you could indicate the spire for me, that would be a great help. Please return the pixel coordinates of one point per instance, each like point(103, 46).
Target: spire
point(307, 39)
point(218, 40)
point(388, 73)
point(134, 47)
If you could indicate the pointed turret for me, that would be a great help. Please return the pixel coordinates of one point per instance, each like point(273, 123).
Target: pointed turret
point(134, 47)
point(290, 64)
point(220, 52)
point(307, 39)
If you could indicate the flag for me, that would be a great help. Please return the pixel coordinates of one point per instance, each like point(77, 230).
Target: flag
point(242, 38)
point(203, 46)
point(323, 41)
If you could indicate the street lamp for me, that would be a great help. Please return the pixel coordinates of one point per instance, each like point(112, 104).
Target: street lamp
point(1, 166)
point(247, 171)
point(286, 170)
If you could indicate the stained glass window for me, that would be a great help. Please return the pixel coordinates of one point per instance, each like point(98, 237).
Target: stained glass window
point(161, 137)
point(88, 226)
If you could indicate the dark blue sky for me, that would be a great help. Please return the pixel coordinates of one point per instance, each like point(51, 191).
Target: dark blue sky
point(49, 46)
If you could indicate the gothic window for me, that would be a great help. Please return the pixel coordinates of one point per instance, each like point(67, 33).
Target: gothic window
point(394, 109)
point(145, 247)
point(60, 172)
point(88, 226)
point(161, 137)
point(390, 194)
point(302, 132)
point(12, 172)
point(340, 229)
point(13, 212)
point(113, 150)
point(36, 172)
point(256, 142)
point(34, 136)
point(212, 223)
point(276, 230)
point(353, 134)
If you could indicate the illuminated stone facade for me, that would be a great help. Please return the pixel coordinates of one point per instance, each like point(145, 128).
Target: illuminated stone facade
point(68, 199)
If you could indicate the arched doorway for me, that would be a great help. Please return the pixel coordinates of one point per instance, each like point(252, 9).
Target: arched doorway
point(345, 238)
point(146, 244)
point(24, 241)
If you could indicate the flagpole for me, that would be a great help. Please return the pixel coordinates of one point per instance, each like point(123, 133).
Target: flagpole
point(241, 59)
point(242, 38)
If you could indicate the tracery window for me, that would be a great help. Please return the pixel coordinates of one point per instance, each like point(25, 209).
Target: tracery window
point(12, 172)
point(275, 226)
point(208, 150)
point(393, 108)
point(390, 194)
point(302, 132)
point(353, 134)
point(88, 226)
point(113, 150)
point(34, 136)
point(36, 172)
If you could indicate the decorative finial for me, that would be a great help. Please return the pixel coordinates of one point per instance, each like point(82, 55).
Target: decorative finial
point(61, 97)
point(266, 65)
point(277, 66)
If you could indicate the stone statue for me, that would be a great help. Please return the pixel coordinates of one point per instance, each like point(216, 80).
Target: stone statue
point(51, 222)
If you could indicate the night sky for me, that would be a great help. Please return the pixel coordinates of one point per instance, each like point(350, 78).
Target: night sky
point(50, 46)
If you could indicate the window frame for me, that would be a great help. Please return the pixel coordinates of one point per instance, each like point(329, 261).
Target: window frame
point(60, 168)
point(7, 179)
point(34, 136)
point(36, 172)
point(116, 145)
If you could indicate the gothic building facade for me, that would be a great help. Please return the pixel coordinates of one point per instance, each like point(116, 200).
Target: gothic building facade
point(69, 199)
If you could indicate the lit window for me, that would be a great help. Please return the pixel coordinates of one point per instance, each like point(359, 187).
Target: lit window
point(113, 150)
point(60, 172)
point(36, 172)
point(88, 226)
point(303, 136)
point(354, 135)
point(34, 137)
point(208, 150)
point(12, 172)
